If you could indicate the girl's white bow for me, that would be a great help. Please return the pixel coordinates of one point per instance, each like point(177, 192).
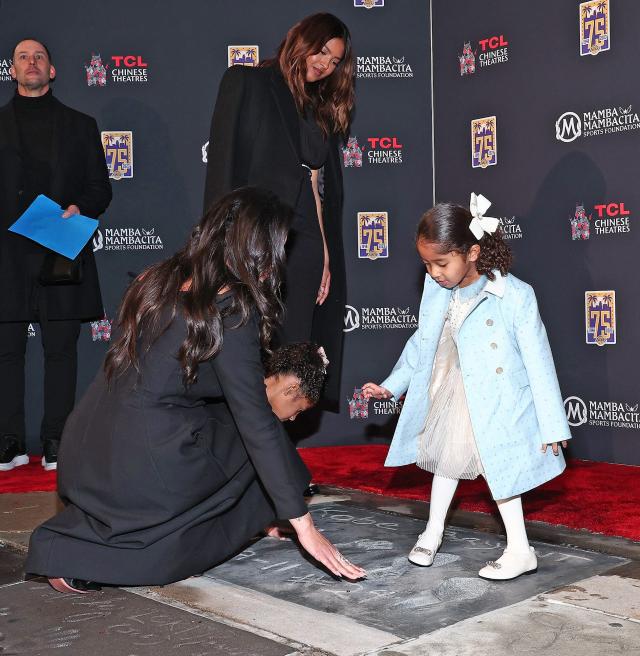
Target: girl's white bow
point(324, 358)
point(481, 224)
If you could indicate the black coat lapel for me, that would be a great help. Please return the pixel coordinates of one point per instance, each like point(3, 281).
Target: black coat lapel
point(11, 128)
point(57, 145)
point(287, 108)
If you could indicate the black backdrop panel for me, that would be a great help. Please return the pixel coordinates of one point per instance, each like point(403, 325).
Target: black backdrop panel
point(528, 75)
point(179, 52)
point(539, 180)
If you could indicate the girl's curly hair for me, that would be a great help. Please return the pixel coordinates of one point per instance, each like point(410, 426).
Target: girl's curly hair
point(447, 225)
point(303, 361)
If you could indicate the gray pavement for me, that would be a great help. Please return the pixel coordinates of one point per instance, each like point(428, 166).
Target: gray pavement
point(270, 599)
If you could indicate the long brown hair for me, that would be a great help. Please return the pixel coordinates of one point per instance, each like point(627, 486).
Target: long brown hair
point(447, 225)
point(332, 98)
point(238, 244)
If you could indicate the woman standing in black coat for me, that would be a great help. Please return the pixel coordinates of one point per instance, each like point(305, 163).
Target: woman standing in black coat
point(174, 459)
point(275, 127)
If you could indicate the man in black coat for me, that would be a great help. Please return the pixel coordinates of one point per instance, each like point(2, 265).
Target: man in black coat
point(45, 148)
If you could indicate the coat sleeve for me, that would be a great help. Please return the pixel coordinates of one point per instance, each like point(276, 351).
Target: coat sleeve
point(535, 351)
point(96, 192)
point(226, 161)
point(279, 467)
point(398, 380)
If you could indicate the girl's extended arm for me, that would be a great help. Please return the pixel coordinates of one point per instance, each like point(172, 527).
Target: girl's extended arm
point(398, 380)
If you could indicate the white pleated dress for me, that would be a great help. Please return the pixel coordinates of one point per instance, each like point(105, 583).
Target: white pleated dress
point(447, 446)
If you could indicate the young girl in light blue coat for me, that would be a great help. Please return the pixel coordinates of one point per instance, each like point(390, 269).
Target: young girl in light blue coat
point(482, 395)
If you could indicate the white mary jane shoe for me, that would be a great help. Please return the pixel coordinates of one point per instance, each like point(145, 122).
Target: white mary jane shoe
point(424, 550)
point(510, 565)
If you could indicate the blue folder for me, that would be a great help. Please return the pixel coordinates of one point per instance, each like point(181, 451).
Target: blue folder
point(42, 221)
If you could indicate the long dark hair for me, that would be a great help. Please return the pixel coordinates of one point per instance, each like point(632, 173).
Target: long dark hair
point(447, 225)
point(332, 98)
point(238, 244)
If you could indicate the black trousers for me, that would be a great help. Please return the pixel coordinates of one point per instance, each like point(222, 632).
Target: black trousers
point(59, 341)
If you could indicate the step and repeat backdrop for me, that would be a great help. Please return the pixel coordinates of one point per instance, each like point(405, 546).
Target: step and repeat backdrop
point(536, 106)
point(149, 74)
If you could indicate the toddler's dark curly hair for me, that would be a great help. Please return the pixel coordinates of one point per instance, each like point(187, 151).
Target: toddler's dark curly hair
point(303, 361)
point(447, 225)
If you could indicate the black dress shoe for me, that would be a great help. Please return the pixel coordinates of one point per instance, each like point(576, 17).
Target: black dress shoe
point(12, 453)
point(50, 454)
point(84, 586)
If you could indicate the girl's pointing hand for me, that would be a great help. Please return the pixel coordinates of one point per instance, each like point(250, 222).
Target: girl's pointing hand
point(554, 447)
point(378, 392)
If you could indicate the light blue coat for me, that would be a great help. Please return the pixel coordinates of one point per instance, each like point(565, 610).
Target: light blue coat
point(510, 383)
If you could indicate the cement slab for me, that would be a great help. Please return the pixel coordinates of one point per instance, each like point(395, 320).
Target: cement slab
point(38, 621)
point(295, 623)
point(530, 628)
point(613, 595)
point(21, 513)
point(11, 565)
point(398, 597)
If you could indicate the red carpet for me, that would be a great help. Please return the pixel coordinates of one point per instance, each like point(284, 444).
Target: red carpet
point(28, 478)
point(599, 497)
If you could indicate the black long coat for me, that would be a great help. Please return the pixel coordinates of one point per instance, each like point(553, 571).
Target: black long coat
point(79, 176)
point(255, 140)
point(163, 482)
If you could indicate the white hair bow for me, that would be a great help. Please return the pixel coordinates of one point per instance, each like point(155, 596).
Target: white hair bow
point(481, 224)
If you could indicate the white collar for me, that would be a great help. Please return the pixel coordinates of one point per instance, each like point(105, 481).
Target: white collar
point(496, 287)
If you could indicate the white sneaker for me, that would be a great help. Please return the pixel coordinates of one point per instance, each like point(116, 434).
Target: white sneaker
point(50, 454)
point(12, 453)
point(49, 466)
point(16, 461)
point(425, 550)
point(510, 565)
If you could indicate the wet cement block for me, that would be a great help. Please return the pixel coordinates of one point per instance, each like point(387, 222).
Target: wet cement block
point(35, 620)
point(397, 596)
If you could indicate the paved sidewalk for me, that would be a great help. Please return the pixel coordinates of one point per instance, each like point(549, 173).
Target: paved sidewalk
point(270, 599)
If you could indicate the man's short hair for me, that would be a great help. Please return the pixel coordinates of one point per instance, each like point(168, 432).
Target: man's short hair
point(303, 361)
point(30, 38)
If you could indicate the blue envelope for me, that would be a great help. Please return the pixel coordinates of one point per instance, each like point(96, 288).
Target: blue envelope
point(43, 222)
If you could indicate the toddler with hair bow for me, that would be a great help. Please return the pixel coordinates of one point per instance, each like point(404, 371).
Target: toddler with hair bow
point(482, 392)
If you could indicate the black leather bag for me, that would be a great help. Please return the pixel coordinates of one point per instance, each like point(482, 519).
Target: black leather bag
point(60, 270)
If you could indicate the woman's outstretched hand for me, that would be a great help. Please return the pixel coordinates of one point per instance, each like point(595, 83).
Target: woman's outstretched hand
point(378, 392)
point(316, 545)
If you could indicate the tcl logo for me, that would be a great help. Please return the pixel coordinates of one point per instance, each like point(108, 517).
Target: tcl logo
point(383, 142)
point(611, 209)
point(493, 42)
point(129, 61)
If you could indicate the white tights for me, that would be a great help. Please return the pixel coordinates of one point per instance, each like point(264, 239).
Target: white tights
point(442, 491)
